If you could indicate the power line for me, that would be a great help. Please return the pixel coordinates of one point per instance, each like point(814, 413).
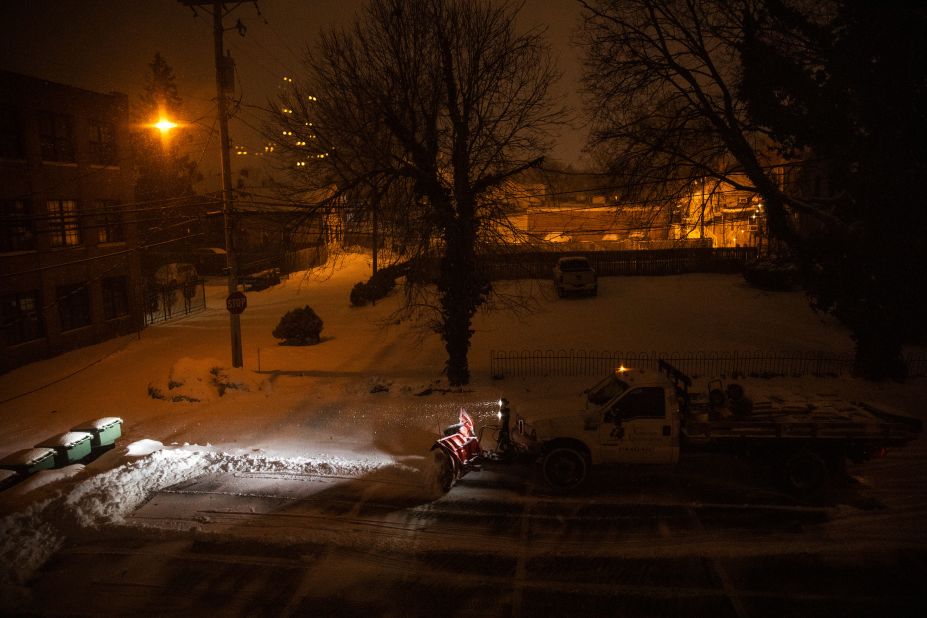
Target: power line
point(94, 258)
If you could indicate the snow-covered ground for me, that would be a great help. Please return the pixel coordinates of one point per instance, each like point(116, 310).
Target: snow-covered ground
point(350, 406)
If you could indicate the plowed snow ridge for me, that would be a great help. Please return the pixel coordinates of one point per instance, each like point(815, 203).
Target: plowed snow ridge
point(31, 536)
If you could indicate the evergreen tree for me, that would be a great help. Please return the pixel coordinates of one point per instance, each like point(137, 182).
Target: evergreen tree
point(849, 86)
point(165, 170)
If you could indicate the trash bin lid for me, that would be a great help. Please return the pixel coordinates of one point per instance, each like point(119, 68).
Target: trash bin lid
point(27, 456)
point(66, 439)
point(98, 425)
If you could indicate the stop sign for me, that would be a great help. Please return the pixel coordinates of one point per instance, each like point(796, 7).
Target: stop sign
point(236, 302)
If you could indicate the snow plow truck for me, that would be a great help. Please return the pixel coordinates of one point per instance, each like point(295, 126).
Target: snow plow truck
point(646, 416)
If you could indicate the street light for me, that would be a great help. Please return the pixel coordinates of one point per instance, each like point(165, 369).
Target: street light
point(164, 125)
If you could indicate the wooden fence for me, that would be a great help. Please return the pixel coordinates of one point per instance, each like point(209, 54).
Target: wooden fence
point(539, 264)
point(557, 363)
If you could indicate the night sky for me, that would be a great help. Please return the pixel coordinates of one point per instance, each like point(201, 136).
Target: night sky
point(105, 45)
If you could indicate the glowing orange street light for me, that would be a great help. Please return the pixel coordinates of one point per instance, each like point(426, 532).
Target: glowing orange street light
point(164, 125)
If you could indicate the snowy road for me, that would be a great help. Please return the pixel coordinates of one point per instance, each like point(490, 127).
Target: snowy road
point(299, 492)
point(649, 544)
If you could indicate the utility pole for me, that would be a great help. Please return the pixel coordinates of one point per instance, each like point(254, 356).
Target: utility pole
point(225, 84)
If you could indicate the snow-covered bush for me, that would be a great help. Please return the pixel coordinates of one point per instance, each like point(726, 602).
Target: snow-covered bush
point(299, 327)
point(378, 286)
point(359, 296)
point(772, 273)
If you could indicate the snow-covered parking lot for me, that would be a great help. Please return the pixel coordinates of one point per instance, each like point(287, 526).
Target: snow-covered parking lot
point(303, 488)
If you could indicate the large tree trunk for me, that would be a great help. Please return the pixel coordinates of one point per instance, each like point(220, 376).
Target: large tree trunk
point(461, 292)
point(879, 353)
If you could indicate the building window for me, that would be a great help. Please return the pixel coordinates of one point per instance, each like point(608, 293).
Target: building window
point(16, 226)
point(115, 297)
point(11, 134)
point(63, 225)
point(21, 317)
point(73, 305)
point(102, 143)
point(110, 218)
point(56, 134)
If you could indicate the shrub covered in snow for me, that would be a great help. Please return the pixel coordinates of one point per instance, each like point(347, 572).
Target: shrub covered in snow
point(378, 286)
point(772, 273)
point(299, 327)
point(359, 294)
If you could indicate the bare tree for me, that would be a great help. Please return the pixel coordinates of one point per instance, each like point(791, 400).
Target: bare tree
point(423, 109)
point(732, 89)
point(662, 80)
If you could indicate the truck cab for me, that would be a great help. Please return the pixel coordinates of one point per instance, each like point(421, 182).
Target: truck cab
point(632, 416)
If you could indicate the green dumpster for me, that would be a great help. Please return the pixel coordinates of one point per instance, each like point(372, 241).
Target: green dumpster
point(29, 460)
point(70, 447)
point(105, 431)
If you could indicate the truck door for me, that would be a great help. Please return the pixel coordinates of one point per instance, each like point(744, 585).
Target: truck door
point(636, 428)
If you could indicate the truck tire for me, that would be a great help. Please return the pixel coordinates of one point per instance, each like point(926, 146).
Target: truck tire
point(804, 472)
point(564, 468)
point(439, 475)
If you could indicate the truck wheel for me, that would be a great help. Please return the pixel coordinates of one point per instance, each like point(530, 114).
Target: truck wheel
point(564, 468)
point(439, 476)
point(804, 471)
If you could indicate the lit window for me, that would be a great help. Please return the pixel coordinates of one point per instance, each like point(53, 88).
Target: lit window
point(63, 226)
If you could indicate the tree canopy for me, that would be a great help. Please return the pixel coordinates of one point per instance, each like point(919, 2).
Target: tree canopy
point(423, 110)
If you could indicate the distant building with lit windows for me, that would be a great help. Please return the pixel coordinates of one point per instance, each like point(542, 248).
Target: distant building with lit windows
point(69, 265)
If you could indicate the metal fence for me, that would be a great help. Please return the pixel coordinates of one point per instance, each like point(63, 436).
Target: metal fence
point(558, 363)
point(163, 303)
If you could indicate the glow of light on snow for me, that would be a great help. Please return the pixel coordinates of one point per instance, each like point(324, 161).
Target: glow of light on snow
point(316, 423)
point(31, 536)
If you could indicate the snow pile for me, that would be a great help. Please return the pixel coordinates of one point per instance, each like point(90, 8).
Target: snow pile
point(27, 542)
point(143, 447)
point(203, 379)
point(110, 496)
point(43, 478)
point(31, 536)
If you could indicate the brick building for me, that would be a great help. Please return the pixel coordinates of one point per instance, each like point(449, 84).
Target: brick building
point(69, 265)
